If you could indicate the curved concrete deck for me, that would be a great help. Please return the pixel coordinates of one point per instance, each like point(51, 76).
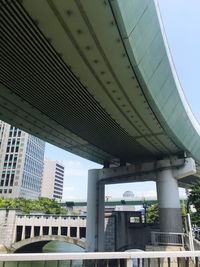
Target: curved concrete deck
point(143, 34)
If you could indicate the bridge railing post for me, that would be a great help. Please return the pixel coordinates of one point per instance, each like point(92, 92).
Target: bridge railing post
point(40, 231)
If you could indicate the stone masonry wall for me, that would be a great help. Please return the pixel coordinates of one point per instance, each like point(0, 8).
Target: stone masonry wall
point(7, 224)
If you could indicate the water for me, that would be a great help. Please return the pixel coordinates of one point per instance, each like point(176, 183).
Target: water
point(58, 246)
point(51, 247)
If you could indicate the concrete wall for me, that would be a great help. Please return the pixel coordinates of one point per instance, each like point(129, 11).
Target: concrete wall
point(7, 226)
point(130, 231)
point(110, 230)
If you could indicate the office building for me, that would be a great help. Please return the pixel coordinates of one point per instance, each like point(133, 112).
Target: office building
point(21, 163)
point(52, 181)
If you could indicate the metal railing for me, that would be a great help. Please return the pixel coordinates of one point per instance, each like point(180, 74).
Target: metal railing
point(101, 259)
point(196, 244)
point(163, 238)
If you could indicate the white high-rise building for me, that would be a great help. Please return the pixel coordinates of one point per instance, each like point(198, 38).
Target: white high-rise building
point(21, 163)
point(53, 179)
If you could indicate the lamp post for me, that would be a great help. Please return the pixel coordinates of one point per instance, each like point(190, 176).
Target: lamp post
point(145, 207)
point(107, 198)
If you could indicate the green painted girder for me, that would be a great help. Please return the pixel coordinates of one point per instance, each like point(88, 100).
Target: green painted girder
point(120, 202)
point(143, 35)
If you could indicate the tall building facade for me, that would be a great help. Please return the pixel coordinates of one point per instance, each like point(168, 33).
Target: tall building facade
point(21, 163)
point(53, 179)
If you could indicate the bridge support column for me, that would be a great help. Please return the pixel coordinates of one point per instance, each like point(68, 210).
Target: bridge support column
point(95, 213)
point(168, 174)
point(168, 202)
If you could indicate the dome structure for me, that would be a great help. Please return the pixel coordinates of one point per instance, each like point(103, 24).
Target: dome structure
point(128, 194)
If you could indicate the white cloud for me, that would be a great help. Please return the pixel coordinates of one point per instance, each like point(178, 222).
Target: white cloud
point(68, 188)
point(73, 163)
point(73, 197)
point(71, 193)
point(74, 168)
point(147, 194)
point(74, 172)
point(67, 191)
point(68, 197)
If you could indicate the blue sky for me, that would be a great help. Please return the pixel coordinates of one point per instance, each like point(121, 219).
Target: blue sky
point(181, 21)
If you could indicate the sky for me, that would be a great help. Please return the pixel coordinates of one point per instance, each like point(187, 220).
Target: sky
point(181, 20)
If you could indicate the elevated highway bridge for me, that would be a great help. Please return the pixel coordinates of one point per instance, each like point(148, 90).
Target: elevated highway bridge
point(96, 78)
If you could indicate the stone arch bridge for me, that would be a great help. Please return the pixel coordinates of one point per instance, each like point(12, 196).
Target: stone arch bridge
point(18, 230)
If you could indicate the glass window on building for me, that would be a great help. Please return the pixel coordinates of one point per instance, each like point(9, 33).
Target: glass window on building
point(12, 179)
point(6, 183)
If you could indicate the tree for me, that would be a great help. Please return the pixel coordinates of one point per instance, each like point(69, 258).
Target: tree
point(42, 204)
point(25, 205)
point(194, 199)
point(153, 214)
point(194, 196)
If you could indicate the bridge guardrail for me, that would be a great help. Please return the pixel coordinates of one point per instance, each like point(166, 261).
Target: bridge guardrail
point(108, 259)
point(163, 238)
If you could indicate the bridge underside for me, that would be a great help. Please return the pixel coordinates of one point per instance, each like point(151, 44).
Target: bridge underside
point(32, 248)
point(68, 77)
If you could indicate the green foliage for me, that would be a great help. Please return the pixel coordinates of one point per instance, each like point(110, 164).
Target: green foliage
point(43, 205)
point(74, 213)
point(194, 196)
point(8, 203)
point(63, 211)
point(183, 211)
point(153, 214)
point(194, 199)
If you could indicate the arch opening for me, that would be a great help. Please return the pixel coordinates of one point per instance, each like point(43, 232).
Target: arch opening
point(36, 244)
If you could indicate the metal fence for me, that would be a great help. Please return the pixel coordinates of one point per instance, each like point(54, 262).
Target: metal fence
point(101, 259)
point(162, 238)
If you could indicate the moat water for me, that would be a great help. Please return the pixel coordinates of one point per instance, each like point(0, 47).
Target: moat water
point(51, 247)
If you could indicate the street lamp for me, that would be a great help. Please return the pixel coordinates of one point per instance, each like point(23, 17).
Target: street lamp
point(107, 198)
point(145, 207)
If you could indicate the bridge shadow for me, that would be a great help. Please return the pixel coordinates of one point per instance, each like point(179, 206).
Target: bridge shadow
point(35, 244)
